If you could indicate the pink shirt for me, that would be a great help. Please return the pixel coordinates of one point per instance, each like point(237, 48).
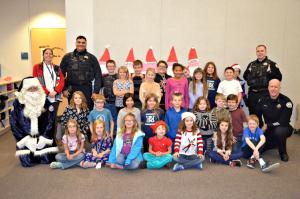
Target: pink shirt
point(177, 86)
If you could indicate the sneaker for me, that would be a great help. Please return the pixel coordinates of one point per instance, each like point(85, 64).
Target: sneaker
point(251, 163)
point(178, 167)
point(235, 163)
point(198, 166)
point(98, 165)
point(56, 165)
point(267, 167)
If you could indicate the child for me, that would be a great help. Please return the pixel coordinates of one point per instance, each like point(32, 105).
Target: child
point(253, 141)
point(150, 114)
point(128, 108)
point(101, 144)
point(239, 120)
point(206, 122)
point(126, 151)
point(197, 87)
point(188, 144)
point(73, 142)
point(137, 78)
point(220, 111)
point(159, 147)
point(223, 140)
point(187, 74)
point(149, 86)
point(213, 81)
point(173, 115)
point(101, 113)
point(177, 84)
point(78, 110)
point(237, 72)
point(230, 85)
point(161, 78)
point(121, 86)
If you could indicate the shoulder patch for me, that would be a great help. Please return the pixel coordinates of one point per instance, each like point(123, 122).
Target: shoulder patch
point(289, 105)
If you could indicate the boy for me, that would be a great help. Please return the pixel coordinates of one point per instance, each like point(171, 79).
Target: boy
point(173, 115)
point(161, 78)
point(230, 85)
point(253, 141)
point(220, 111)
point(101, 113)
point(239, 120)
point(137, 78)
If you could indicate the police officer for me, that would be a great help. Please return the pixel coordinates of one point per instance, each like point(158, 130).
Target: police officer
point(276, 109)
point(258, 74)
point(80, 68)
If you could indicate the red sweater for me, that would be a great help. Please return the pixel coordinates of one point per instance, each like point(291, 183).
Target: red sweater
point(188, 144)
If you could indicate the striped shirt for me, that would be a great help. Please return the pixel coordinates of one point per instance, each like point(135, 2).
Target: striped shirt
point(188, 144)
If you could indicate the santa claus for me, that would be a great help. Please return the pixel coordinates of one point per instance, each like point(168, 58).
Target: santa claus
point(32, 124)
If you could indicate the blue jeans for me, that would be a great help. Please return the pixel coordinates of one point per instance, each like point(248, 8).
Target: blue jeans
point(157, 162)
point(237, 147)
point(62, 158)
point(121, 158)
point(188, 161)
point(114, 114)
point(216, 157)
point(208, 143)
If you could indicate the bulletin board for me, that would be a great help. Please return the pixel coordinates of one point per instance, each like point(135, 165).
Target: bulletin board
point(42, 38)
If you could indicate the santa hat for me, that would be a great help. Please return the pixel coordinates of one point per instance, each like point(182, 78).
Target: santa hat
point(171, 60)
point(193, 61)
point(188, 114)
point(129, 61)
point(28, 82)
point(157, 124)
point(104, 58)
point(235, 66)
point(150, 60)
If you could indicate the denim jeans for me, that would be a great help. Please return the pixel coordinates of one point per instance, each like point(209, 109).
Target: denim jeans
point(237, 147)
point(114, 114)
point(157, 162)
point(121, 158)
point(62, 158)
point(188, 161)
point(208, 143)
point(216, 157)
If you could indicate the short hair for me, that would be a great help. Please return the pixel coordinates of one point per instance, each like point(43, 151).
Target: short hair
point(126, 96)
point(98, 97)
point(137, 62)
point(81, 37)
point(177, 65)
point(229, 68)
point(162, 62)
point(177, 94)
point(261, 45)
point(232, 97)
point(254, 118)
point(220, 96)
point(110, 61)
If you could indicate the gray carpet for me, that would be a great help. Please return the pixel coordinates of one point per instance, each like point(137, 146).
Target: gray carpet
point(215, 181)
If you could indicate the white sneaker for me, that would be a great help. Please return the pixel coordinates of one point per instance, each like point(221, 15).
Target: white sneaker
point(98, 166)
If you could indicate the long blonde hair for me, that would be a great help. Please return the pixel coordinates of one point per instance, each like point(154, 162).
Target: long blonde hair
point(83, 103)
point(134, 128)
point(203, 81)
point(78, 133)
point(94, 134)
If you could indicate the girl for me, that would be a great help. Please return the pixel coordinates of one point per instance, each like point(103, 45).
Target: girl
point(149, 86)
point(126, 151)
point(160, 147)
point(150, 114)
point(177, 84)
point(188, 144)
point(78, 110)
point(128, 108)
point(73, 142)
point(101, 144)
point(121, 86)
point(212, 80)
point(197, 87)
point(223, 141)
point(206, 121)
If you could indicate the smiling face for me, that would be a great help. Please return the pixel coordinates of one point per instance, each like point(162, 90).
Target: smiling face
point(188, 121)
point(162, 68)
point(232, 104)
point(261, 52)
point(223, 126)
point(150, 75)
point(160, 131)
point(220, 103)
point(176, 101)
point(99, 129)
point(229, 74)
point(178, 72)
point(252, 125)
point(202, 105)
point(122, 74)
point(274, 88)
point(129, 121)
point(48, 56)
point(129, 102)
point(77, 100)
point(99, 104)
point(72, 128)
point(210, 70)
point(137, 69)
point(80, 45)
point(151, 103)
point(111, 67)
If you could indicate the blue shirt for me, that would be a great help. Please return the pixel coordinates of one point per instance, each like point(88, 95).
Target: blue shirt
point(212, 87)
point(252, 136)
point(148, 118)
point(172, 119)
point(104, 115)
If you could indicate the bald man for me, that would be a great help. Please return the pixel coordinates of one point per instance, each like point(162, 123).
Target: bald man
point(276, 110)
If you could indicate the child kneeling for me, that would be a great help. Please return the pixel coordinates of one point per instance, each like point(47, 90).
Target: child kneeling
point(188, 144)
point(160, 147)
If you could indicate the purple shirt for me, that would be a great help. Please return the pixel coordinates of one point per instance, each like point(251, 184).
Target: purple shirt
point(177, 86)
point(127, 143)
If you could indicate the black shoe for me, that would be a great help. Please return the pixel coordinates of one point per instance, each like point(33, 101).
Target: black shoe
point(236, 163)
point(284, 157)
point(267, 167)
point(251, 163)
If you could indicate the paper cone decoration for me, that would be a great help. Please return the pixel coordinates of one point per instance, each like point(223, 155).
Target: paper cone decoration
point(171, 60)
point(193, 61)
point(102, 61)
point(150, 60)
point(129, 61)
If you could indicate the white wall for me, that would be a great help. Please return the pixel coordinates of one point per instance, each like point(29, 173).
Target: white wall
point(16, 19)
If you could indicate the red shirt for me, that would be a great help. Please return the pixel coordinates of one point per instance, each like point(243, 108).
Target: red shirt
point(161, 145)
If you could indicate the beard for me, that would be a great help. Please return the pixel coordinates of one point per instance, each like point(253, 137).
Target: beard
point(34, 104)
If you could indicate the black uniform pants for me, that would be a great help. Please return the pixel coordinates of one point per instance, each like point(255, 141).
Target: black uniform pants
point(276, 137)
point(253, 98)
point(87, 91)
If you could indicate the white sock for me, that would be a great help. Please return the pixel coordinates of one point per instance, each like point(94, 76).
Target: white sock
point(261, 162)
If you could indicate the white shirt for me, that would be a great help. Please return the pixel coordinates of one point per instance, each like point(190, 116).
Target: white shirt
point(50, 79)
point(230, 87)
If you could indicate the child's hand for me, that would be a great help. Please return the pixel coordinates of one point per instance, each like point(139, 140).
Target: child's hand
point(256, 154)
point(100, 155)
point(201, 156)
point(176, 155)
point(158, 153)
point(226, 156)
point(70, 157)
point(95, 154)
point(264, 128)
point(234, 139)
